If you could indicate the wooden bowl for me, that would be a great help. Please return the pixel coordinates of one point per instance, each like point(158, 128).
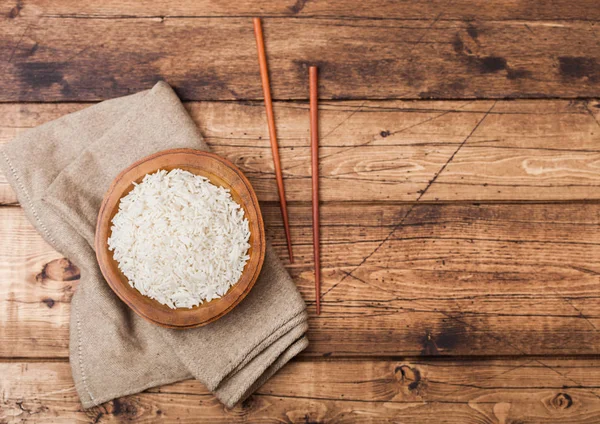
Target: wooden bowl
point(220, 172)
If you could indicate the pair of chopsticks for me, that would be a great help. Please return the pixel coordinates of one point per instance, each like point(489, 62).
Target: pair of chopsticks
point(314, 142)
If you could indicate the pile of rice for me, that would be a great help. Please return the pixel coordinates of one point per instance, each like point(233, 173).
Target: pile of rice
point(180, 239)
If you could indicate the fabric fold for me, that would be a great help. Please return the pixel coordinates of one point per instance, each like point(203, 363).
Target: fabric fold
point(60, 172)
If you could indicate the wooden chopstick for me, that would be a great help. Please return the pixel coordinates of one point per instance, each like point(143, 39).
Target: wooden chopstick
point(264, 75)
point(314, 155)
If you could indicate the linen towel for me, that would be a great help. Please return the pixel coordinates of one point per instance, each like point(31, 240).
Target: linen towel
point(60, 172)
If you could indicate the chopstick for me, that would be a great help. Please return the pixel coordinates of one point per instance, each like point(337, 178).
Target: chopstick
point(314, 155)
point(264, 76)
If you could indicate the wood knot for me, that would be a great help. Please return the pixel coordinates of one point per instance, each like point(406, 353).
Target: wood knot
point(49, 302)
point(411, 377)
point(297, 7)
point(248, 404)
point(59, 270)
point(15, 11)
point(448, 337)
point(562, 401)
point(124, 408)
point(429, 345)
point(30, 410)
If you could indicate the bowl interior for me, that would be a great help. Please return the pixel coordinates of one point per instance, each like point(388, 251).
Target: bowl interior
point(221, 173)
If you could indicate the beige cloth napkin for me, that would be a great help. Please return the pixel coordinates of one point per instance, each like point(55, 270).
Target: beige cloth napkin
point(60, 172)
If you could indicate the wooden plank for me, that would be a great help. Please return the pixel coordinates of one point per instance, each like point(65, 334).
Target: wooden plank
point(407, 280)
point(383, 9)
point(35, 288)
point(392, 150)
point(505, 391)
point(52, 58)
point(23, 292)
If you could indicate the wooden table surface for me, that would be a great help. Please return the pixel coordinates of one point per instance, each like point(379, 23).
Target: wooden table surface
point(460, 174)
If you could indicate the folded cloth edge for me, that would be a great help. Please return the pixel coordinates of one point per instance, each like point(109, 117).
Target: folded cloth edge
point(31, 202)
point(24, 197)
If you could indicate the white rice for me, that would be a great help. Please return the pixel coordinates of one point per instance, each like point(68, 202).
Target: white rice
point(180, 239)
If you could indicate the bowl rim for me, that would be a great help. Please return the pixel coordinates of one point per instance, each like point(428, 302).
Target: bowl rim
point(103, 224)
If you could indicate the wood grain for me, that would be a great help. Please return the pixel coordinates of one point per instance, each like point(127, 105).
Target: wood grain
point(519, 279)
point(55, 58)
point(398, 10)
point(401, 277)
point(395, 150)
point(505, 391)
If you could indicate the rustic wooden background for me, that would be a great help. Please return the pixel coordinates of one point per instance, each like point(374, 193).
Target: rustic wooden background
point(460, 169)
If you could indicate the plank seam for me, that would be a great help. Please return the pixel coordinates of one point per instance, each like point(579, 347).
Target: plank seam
point(324, 17)
point(332, 100)
point(430, 359)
